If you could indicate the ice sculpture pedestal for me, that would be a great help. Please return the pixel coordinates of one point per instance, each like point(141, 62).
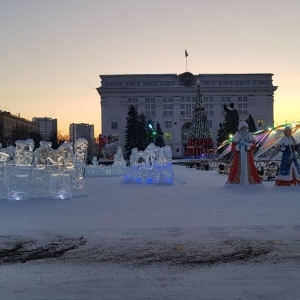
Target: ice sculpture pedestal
point(60, 186)
point(18, 183)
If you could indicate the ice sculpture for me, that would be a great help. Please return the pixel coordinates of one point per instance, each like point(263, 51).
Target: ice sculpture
point(24, 152)
point(77, 176)
point(115, 169)
point(18, 175)
point(95, 161)
point(43, 154)
point(43, 172)
point(153, 165)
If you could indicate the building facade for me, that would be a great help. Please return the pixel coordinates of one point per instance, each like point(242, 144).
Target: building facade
point(47, 127)
point(81, 131)
point(10, 125)
point(170, 98)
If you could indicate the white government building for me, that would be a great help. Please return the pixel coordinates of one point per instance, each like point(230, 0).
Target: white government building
point(170, 98)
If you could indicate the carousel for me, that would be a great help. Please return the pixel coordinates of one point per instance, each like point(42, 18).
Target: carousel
point(267, 156)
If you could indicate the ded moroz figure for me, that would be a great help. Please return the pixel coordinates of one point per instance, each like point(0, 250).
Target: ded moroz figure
point(243, 170)
point(289, 172)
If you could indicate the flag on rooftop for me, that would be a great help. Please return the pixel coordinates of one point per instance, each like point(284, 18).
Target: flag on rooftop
point(186, 54)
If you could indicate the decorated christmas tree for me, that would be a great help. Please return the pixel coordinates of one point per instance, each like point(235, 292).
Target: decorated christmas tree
point(200, 142)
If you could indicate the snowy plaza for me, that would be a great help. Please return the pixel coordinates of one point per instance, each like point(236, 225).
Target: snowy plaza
point(194, 239)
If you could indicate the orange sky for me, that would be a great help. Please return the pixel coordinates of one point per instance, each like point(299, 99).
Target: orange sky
point(52, 52)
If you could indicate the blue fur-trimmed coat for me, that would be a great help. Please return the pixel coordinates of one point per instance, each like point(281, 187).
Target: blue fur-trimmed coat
point(289, 161)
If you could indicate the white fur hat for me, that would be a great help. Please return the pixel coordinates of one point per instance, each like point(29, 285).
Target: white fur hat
point(243, 124)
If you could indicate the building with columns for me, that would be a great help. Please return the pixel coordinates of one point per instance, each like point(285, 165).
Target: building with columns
point(170, 98)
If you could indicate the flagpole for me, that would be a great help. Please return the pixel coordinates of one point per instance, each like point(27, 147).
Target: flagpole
point(186, 55)
point(186, 63)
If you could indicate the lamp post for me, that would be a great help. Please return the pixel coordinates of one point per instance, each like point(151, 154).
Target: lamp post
point(153, 132)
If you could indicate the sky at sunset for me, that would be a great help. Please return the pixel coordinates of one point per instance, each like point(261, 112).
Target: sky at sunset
point(52, 52)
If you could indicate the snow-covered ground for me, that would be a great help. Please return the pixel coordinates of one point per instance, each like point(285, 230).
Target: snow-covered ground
point(195, 239)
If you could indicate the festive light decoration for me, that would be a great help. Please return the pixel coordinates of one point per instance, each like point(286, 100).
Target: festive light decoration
point(200, 143)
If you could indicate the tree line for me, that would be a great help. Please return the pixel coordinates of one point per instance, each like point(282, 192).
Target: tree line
point(140, 132)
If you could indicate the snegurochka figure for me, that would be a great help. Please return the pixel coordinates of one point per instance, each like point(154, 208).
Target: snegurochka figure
point(289, 172)
point(243, 170)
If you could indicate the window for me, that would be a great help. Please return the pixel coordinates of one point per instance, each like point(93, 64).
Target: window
point(114, 125)
point(168, 124)
point(242, 99)
point(150, 106)
point(168, 106)
point(133, 102)
point(186, 110)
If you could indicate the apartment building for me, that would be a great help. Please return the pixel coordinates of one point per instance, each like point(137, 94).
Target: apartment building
point(81, 131)
point(9, 123)
point(46, 127)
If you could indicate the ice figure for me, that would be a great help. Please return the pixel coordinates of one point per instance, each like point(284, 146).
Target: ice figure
point(153, 165)
point(119, 163)
point(115, 169)
point(134, 157)
point(18, 176)
point(77, 176)
point(119, 159)
point(43, 160)
point(43, 155)
point(65, 156)
point(6, 156)
point(95, 161)
point(24, 152)
point(80, 150)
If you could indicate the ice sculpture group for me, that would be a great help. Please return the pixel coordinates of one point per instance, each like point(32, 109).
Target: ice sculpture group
point(153, 165)
point(44, 172)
